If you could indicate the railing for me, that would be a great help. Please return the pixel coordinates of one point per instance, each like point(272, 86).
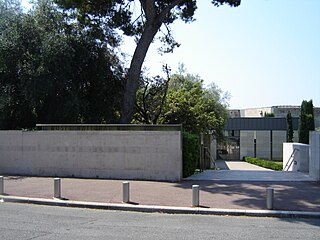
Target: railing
point(290, 160)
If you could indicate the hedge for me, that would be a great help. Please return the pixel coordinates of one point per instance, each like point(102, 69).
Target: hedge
point(278, 166)
point(190, 153)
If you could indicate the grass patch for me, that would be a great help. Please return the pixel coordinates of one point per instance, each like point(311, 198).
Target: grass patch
point(278, 166)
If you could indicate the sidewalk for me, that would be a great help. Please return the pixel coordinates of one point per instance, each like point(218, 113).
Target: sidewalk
point(236, 195)
point(238, 165)
point(252, 176)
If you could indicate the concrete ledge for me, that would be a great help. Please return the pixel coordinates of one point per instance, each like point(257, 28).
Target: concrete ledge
point(160, 209)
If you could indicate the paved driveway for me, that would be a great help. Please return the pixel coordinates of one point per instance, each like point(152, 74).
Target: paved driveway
point(243, 171)
point(238, 165)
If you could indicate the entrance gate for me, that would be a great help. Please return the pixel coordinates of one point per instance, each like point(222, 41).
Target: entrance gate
point(230, 149)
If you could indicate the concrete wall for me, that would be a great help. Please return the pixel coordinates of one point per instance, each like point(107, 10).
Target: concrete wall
point(255, 112)
point(150, 155)
point(246, 143)
point(234, 113)
point(296, 157)
point(296, 136)
point(213, 148)
point(263, 144)
point(279, 137)
point(314, 155)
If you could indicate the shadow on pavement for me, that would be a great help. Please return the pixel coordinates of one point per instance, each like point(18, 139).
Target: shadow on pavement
point(293, 196)
point(314, 222)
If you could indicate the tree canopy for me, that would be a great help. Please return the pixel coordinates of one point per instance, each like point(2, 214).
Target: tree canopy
point(182, 99)
point(54, 70)
point(142, 19)
point(60, 65)
point(199, 109)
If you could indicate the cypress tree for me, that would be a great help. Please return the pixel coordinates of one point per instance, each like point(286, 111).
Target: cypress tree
point(289, 128)
point(310, 116)
point(306, 121)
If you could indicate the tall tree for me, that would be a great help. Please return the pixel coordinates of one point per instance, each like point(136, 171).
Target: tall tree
point(14, 64)
point(151, 98)
point(144, 26)
point(306, 121)
point(289, 127)
point(55, 70)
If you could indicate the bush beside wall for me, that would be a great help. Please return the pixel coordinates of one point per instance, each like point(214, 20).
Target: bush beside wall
point(278, 166)
point(190, 153)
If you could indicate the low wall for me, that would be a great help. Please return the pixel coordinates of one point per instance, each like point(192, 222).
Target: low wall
point(314, 155)
point(296, 157)
point(148, 155)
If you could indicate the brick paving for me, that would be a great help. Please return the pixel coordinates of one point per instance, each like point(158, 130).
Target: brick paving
point(298, 196)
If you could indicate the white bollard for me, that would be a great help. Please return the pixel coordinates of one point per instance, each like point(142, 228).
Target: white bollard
point(195, 196)
point(1, 185)
point(126, 192)
point(57, 188)
point(270, 193)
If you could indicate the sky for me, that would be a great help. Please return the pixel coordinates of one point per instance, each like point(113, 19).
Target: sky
point(264, 52)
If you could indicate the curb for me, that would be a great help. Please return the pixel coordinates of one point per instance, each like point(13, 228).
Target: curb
point(160, 209)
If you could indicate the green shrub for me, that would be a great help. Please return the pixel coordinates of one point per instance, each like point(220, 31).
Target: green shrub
point(278, 166)
point(190, 153)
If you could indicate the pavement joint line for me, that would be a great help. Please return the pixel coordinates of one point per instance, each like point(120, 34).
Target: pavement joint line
point(160, 209)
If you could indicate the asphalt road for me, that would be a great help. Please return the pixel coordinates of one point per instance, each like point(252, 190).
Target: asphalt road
point(23, 221)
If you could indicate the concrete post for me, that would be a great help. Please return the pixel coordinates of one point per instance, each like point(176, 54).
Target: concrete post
point(195, 195)
point(126, 192)
point(57, 188)
point(270, 193)
point(1, 185)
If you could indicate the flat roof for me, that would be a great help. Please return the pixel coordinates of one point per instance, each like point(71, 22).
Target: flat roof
point(261, 123)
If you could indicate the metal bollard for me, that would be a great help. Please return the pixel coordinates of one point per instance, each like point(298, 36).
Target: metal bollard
point(126, 192)
point(57, 188)
point(195, 195)
point(1, 185)
point(270, 193)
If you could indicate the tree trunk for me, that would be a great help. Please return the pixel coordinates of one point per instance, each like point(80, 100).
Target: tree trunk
point(133, 76)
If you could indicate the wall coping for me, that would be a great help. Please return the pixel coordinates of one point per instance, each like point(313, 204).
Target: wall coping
point(108, 127)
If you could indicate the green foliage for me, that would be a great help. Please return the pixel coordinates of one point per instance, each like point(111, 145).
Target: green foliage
point(190, 153)
point(268, 115)
point(122, 14)
point(278, 166)
point(54, 70)
point(289, 128)
point(142, 21)
point(197, 108)
point(306, 121)
point(182, 99)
